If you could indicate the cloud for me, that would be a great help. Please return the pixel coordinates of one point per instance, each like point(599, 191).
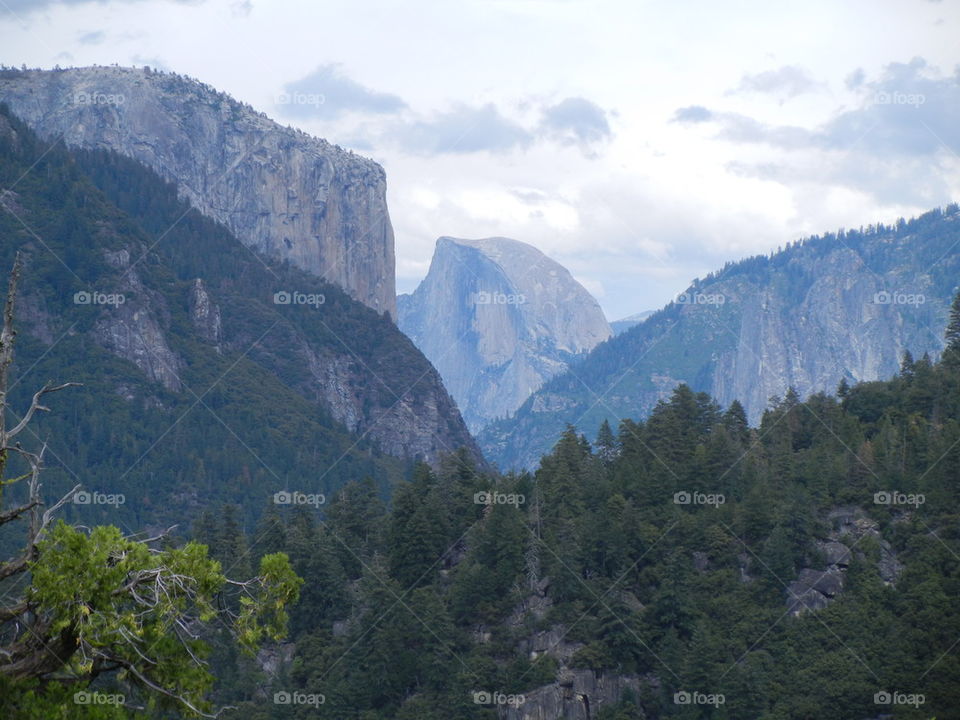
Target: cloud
point(463, 129)
point(27, 6)
point(327, 92)
point(855, 79)
point(576, 120)
point(92, 38)
point(484, 128)
point(910, 110)
point(692, 114)
point(785, 83)
point(899, 146)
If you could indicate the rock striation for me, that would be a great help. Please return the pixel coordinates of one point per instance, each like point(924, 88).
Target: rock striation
point(497, 318)
point(283, 192)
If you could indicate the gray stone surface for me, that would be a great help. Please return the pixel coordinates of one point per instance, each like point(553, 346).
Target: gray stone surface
point(280, 191)
point(577, 695)
point(497, 318)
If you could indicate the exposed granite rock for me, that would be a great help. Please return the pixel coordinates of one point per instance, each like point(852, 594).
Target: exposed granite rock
point(553, 642)
point(133, 332)
point(205, 314)
point(577, 695)
point(279, 190)
point(813, 590)
point(836, 553)
point(497, 318)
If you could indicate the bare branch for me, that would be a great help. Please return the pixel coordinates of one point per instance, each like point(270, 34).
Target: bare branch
point(48, 514)
point(163, 691)
point(16, 512)
point(35, 406)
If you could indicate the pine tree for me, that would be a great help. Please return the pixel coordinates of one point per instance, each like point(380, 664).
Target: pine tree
point(607, 448)
point(951, 354)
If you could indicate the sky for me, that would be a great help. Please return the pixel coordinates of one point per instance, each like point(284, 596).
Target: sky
point(639, 144)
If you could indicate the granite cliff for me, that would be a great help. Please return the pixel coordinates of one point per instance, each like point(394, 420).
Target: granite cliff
point(497, 318)
point(280, 191)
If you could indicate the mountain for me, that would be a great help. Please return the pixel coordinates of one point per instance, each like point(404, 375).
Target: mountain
point(280, 191)
point(497, 318)
point(844, 305)
point(211, 374)
point(624, 324)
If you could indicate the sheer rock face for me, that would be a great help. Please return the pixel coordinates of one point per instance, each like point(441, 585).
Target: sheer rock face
point(280, 191)
point(497, 318)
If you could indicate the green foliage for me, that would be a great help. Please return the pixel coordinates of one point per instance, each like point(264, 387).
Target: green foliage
point(130, 613)
point(630, 582)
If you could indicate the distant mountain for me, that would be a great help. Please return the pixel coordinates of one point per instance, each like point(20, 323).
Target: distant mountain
point(845, 305)
point(211, 374)
point(497, 318)
point(280, 191)
point(624, 324)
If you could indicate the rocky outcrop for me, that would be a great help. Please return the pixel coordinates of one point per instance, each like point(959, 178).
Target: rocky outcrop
point(497, 318)
point(813, 590)
point(849, 525)
point(577, 695)
point(282, 192)
point(845, 306)
point(131, 322)
point(205, 314)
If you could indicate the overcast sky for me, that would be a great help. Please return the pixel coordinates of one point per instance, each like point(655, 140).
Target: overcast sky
point(640, 144)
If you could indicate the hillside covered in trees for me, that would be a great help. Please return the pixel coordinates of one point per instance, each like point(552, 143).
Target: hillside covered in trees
point(688, 566)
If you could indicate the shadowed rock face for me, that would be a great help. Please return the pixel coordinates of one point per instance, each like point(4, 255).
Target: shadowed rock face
point(281, 191)
point(497, 318)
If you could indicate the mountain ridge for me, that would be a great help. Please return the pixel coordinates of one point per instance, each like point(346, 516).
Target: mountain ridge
point(843, 305)
point(194, 371)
